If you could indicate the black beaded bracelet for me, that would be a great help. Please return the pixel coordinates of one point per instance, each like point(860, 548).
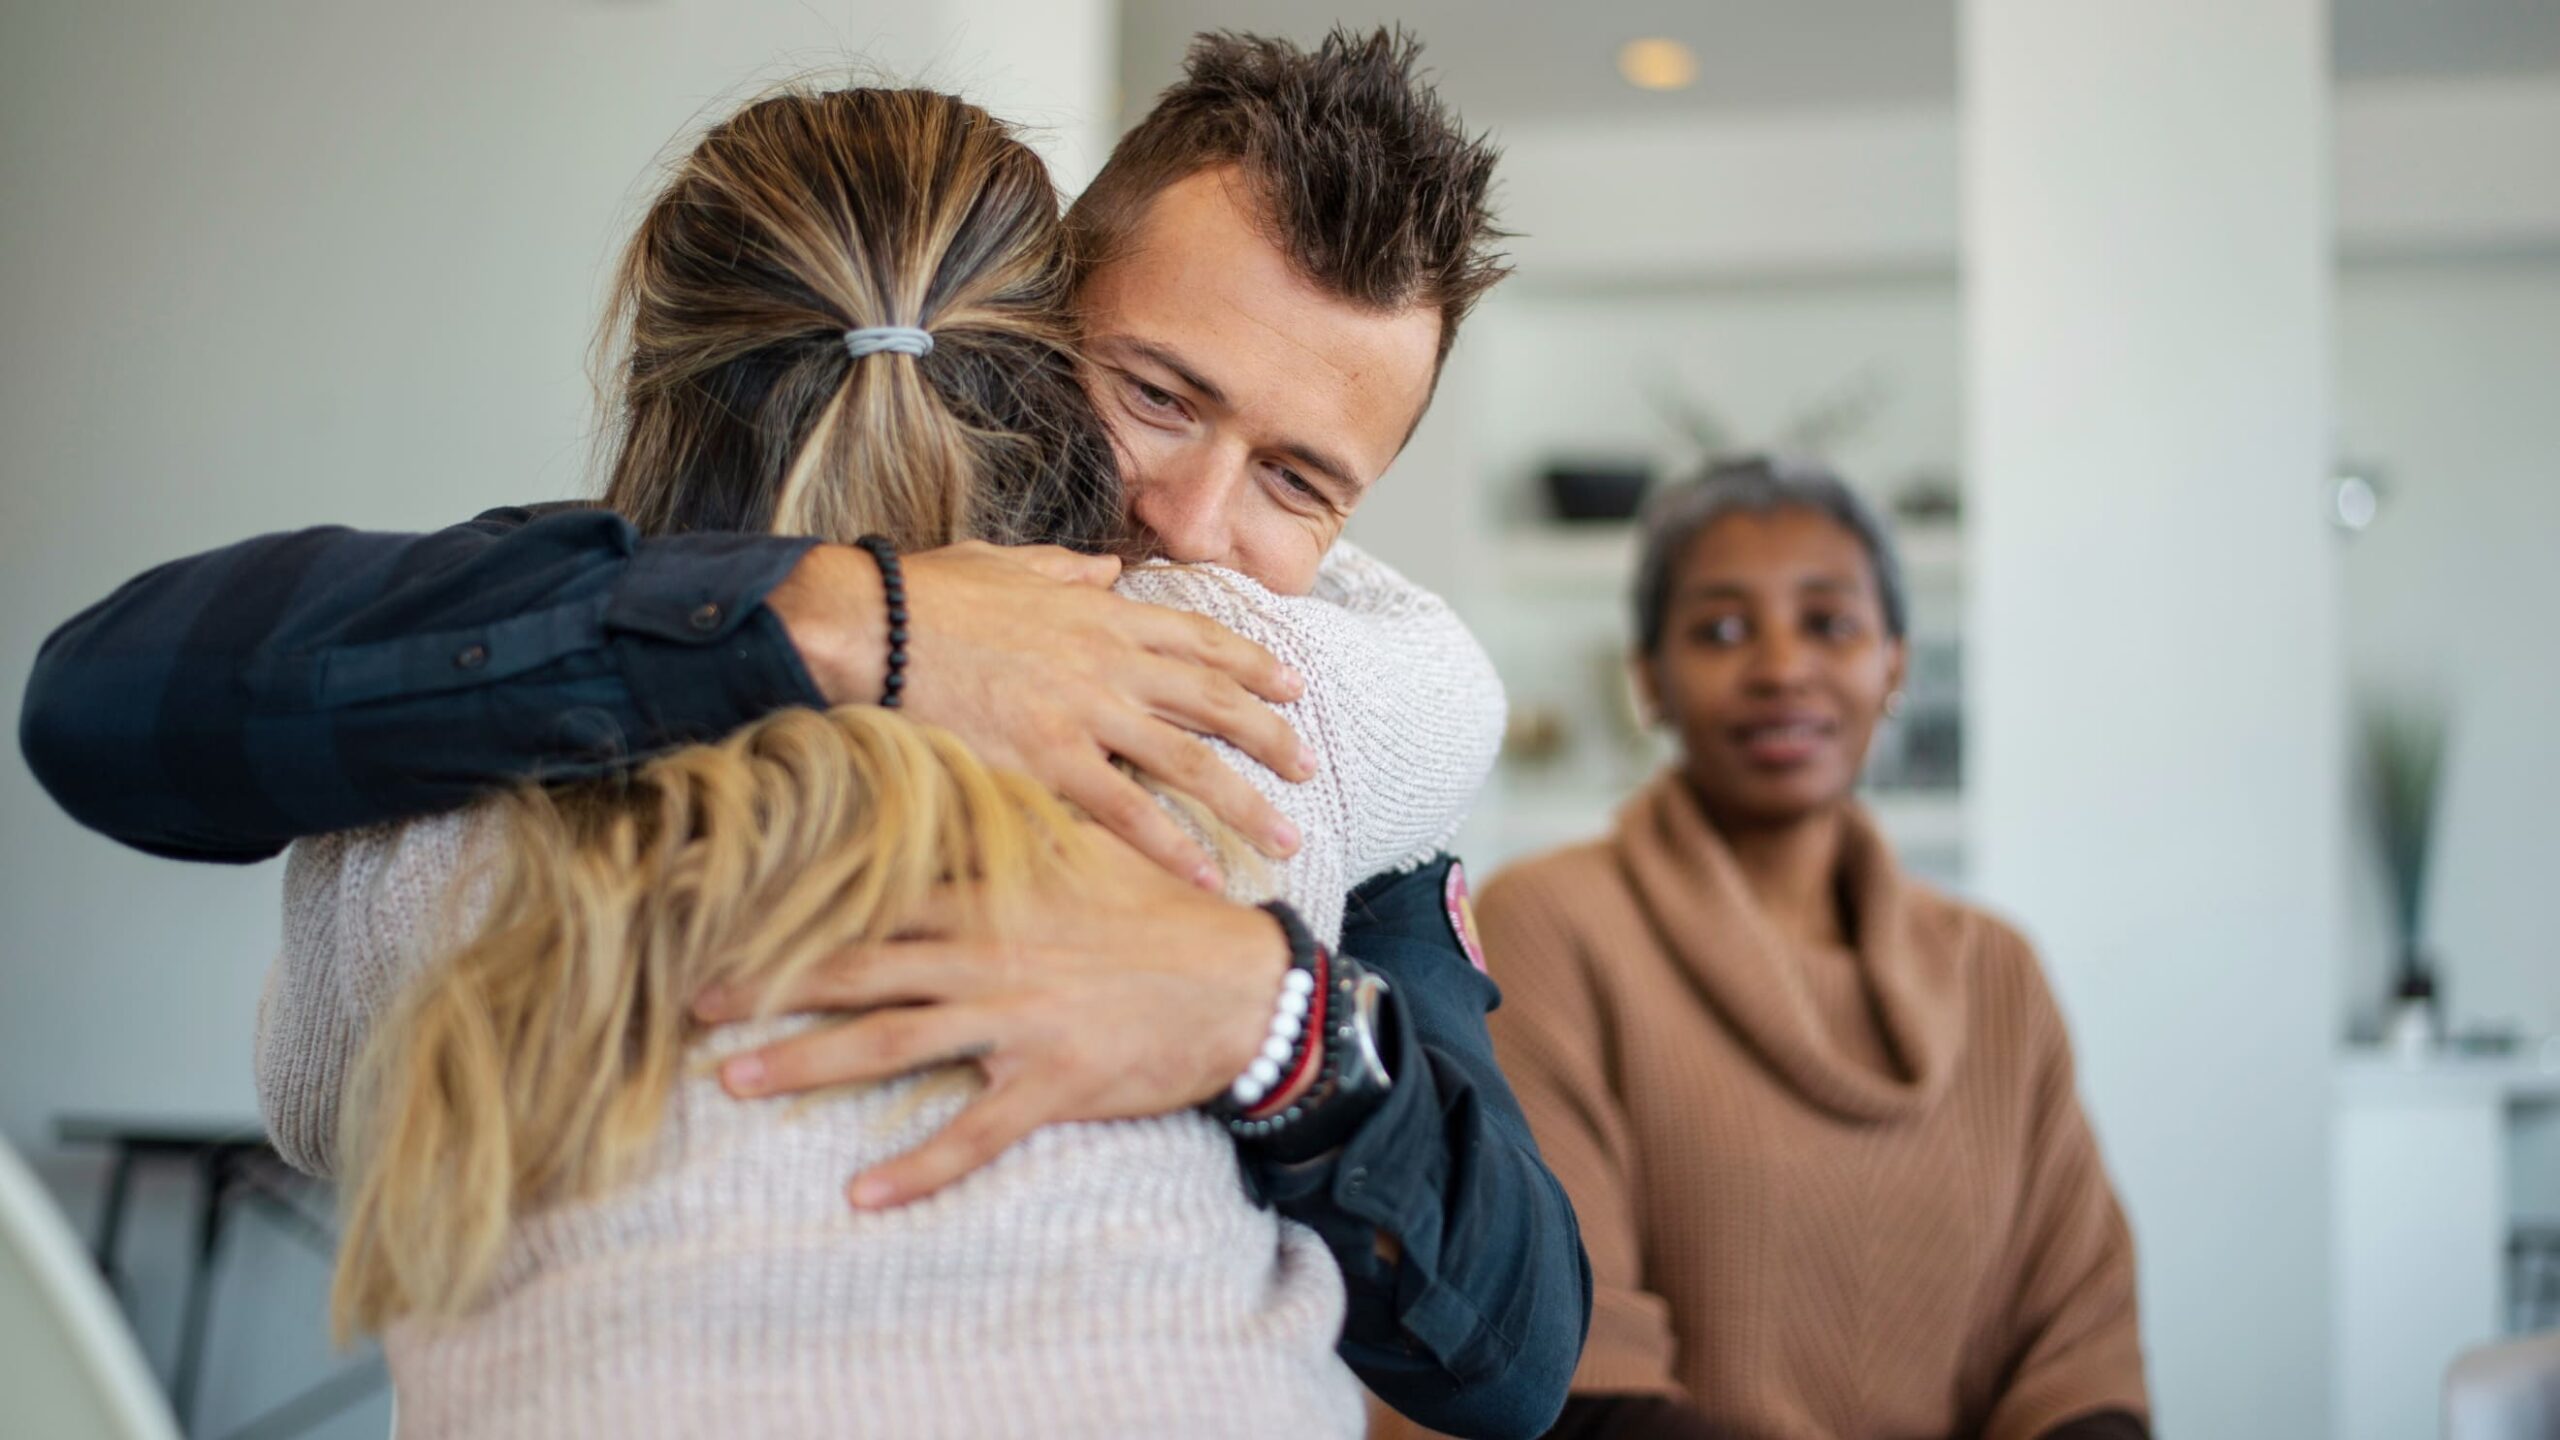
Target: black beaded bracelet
point(893, 585)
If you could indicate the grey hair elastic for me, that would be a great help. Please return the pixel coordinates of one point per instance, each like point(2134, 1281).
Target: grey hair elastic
point(896, 339)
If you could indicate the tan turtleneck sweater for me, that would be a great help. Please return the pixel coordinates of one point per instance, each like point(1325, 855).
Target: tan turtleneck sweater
point(1833, 1194)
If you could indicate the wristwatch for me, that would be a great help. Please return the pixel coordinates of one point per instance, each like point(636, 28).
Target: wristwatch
point(1352, 1081)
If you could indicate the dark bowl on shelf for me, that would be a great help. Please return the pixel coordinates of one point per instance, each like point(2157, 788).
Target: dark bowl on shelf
point(1587, 494)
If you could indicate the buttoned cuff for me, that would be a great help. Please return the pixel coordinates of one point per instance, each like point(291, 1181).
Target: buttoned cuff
point(699, 651)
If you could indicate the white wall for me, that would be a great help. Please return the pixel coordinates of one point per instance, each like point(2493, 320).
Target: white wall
point(2420, 167)
point(1671, 198)
point(2448, 375)
point(270, 264)
point(2154, 688)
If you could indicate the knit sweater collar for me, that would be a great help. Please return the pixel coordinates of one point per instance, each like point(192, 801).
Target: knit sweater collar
point(1702, 912)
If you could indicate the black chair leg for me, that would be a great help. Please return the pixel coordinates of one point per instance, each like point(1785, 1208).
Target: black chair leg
point(111, 1214)
point(214, 1178)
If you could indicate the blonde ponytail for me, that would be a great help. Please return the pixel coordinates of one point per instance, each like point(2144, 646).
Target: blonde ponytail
point(811, 214)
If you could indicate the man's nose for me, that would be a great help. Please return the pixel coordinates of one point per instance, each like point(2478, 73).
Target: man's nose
point(1189, 511)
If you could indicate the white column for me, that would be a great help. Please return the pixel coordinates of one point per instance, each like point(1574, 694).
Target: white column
point(2154, 697)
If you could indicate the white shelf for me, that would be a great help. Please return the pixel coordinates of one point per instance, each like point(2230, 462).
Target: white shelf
point(2369, 1075)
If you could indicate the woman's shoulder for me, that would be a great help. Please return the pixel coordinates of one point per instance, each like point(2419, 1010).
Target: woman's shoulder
point(1357, 601)
point(1564, 928)
point(2000, 960)
point(389, 866)
point(358, 904)
point(1361, 582)
point(1402, 703)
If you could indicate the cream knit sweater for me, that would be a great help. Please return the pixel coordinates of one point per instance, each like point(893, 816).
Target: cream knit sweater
point(1107, 1279)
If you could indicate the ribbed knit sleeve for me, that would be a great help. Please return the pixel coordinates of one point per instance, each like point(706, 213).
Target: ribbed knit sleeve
point(1402, 708)
point(1422, 709)
point(359, 907)
point(2073, 1334)
point(1554, 1044)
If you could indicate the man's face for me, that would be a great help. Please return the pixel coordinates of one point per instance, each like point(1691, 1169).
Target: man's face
point(1252, 410)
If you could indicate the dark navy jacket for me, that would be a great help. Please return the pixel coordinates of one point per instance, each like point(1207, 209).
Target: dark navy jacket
point(221, 706)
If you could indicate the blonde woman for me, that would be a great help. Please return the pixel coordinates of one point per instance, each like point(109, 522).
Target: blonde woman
point(843, 317)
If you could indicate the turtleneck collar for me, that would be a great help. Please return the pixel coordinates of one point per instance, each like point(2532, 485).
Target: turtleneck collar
point(1701, 910)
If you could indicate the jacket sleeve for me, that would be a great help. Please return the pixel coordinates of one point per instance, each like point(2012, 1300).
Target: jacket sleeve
point(2074, 1343)
point(1474, 1328)
point(219, 706)
point(1551, 1042)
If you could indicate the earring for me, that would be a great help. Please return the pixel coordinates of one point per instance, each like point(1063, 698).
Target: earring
point(1893, 705)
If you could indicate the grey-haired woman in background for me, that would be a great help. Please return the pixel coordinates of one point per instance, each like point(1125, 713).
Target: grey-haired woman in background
point(1816, 1118)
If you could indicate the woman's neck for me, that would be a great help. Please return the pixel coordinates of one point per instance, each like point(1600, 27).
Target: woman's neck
point(1793, 869)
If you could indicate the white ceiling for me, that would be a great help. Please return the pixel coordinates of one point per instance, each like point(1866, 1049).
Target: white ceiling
point(1512, 60)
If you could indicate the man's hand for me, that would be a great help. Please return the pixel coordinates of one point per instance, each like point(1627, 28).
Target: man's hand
point(1113, 991)
point(1026, 654)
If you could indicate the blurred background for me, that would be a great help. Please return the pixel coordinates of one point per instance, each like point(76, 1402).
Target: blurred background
point(2224, 454)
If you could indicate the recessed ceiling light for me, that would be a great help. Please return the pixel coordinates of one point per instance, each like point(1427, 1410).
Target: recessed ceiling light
point(1657, 64)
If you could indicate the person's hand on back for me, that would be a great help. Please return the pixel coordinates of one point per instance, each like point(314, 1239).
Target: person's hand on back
point(1027, 654)
point(1111, 991)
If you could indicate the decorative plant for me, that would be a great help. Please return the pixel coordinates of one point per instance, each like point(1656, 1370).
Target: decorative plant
point(2404, 744)
point(1819, 430)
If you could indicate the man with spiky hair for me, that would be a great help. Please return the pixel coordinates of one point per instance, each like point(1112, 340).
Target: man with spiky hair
point(1272, 268)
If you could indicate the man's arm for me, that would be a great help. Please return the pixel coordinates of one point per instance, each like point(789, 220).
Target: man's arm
point(1468, 1290)
point(221, 706)
point(1475, 1326)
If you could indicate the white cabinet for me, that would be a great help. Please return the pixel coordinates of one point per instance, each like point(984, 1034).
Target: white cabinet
point(2420, 1222)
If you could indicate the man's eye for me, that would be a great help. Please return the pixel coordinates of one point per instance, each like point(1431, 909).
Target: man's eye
point(1291, 488)
point(1727, 630)
point(1835, 627)
point(1154, 397)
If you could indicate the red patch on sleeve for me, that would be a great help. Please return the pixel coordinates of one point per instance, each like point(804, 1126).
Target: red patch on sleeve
point(1462, 914)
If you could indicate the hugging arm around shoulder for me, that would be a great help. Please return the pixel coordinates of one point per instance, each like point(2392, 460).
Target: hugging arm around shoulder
point(222, 705)
point(1474, 1328)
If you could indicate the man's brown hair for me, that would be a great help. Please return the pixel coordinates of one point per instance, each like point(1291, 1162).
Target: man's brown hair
point(1366, 180)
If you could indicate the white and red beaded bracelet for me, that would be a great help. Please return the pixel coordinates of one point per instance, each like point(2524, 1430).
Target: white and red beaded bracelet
point(1294, 1040)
